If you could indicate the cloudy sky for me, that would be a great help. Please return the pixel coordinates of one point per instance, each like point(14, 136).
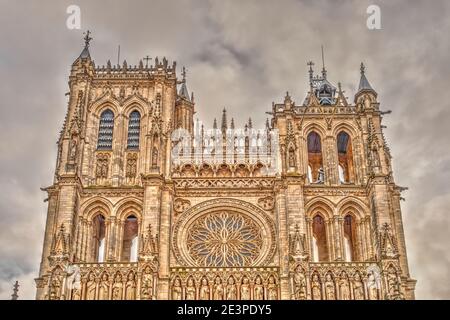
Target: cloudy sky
point(241, 55)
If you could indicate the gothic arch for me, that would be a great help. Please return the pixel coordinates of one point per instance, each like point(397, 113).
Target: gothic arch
point(92, 207)
point(128, 206)
point(103, 104)
point(353, 205)
point(236, 209)
point(320, 205)
point(314, 127)
point(135, 102)
point(347, 128)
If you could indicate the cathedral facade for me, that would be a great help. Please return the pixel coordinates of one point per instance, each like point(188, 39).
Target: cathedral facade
point(306, 209)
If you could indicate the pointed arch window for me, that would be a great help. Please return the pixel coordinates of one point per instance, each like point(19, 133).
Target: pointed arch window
point(130, 239)
point(320, 247)
point(99, 230)
point(349, 238)
point(345, 157)
point(105, 131)
point(134, 130)
point(315, 157)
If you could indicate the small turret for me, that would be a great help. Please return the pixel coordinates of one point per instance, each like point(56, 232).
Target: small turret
point(184, 110)
point(365, 89)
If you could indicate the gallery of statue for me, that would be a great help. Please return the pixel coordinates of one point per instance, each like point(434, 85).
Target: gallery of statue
point(126, 222)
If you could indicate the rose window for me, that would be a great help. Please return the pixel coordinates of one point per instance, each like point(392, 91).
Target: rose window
point(224, 239)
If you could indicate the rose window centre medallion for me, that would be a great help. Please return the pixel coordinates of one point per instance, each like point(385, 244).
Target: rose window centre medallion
point(224, 239)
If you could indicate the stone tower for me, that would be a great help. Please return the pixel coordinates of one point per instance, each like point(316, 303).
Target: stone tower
point(306, 208)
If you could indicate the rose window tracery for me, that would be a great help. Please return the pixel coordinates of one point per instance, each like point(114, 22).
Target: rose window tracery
point(224, 239)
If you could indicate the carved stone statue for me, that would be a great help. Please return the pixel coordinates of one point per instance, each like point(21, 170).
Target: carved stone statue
point(177, 290)
point(358, 287)
point(218, 289)
point(231, 289)
point(316, 287)
point(258, 289)
point(117, 288)
point(154, 158)
point(204, 290)
point(147, 284)
point(272, 289)
point(55, 286)
point(291, 158)
point(330, 290)
point(130, 287)
point(320, 176)
point(245, 289)
point(344, 287)
point(103, 289)
point(393, 284)
point(299, 284)
point(73, 282)
point(190, 290)
point(372, 286)
point(73, 148)
point(91, 287)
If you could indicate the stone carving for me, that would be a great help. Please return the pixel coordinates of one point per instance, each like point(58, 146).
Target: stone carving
point(393, 284)
point(258, 289)
point(149, 246)
point(358, 287)
point(388, 243)
point(372, 286)
point(177, 290)
point(229, 183)
point(272, 289)
point(299, 284)
point(73, 282)
point(191, 291)
point(218, 293)
point(130, 287)
point(316, 287)
point(224, 239)
point(147, 284)
point(267, 203)
point(231, 289)
point(102, 168)
point(204, 290)
point(330, 290)
point(103, 289)
point(56, 284)
point(117, 288)
point(245, 289)
point(60, 246)
point(298, 249)
point(180, 205)
point(91, 287)
point(131, 168)
point(344, 287)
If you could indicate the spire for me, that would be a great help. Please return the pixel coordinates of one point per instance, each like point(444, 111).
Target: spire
point(15, 295)
point(215, 124)
point(311, 71)
point(363, 82)
point(232, 123)
point(184, 93)
point(267, 124)
point(87, 39)
point(324, 71)
point(224, 126)
point(250, 123)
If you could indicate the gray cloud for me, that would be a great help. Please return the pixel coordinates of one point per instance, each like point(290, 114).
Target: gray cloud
point(242, 55)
